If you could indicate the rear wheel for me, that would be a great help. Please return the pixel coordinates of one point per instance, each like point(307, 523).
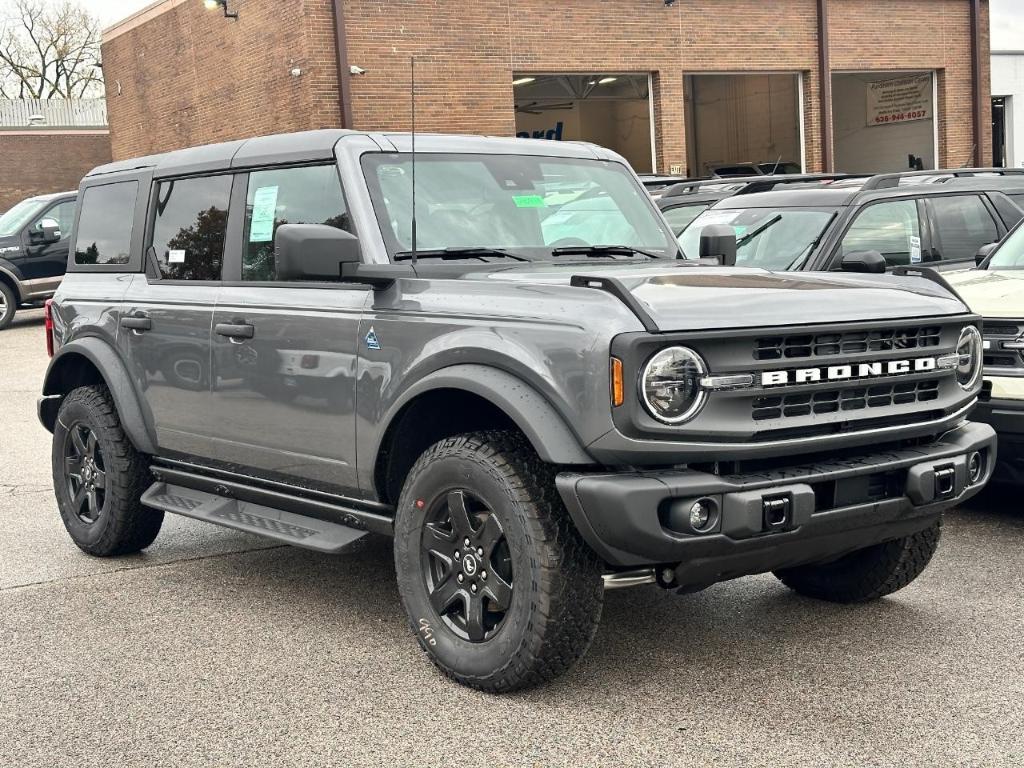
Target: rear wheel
point(8, 305)
point(868, 573)
point(99, 477)
point(500, 590)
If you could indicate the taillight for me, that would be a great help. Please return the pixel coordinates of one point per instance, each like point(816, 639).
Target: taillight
point(48, 310)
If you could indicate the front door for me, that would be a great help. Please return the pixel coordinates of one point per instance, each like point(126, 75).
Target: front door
point(44, 263)
point(168, 312)
point(284, 354)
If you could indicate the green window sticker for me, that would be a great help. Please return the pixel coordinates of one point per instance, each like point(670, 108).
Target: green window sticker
point(529, 201)
point(264, 207)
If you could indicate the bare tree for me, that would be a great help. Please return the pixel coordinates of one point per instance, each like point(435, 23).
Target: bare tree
point(48, 50)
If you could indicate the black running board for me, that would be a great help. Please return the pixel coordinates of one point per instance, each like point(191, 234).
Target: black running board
point(276, 524)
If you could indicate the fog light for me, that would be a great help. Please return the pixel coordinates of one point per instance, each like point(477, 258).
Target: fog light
point(700, 513)
point(975, 466)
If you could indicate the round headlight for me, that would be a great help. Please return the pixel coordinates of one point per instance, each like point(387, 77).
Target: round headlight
point(969, 351)
point(670, 385)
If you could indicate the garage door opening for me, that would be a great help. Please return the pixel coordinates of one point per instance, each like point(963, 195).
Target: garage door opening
point(612, 110)
point(884, 122)
point(744, 124)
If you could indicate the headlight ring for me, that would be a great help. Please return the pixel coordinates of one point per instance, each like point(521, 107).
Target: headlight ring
point(670, 385)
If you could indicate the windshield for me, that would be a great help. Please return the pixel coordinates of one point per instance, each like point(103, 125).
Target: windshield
point(20, 215)
point(769, 238)
point(520, 204)
point(1011, 253)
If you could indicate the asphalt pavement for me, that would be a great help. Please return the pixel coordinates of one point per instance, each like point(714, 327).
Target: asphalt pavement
point(215, 648)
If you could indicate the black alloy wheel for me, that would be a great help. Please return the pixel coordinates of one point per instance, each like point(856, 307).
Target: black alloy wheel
point(467, 566)
point(85, 473)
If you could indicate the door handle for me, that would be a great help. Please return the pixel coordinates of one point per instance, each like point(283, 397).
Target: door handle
point(137, 323)
point(235, 332)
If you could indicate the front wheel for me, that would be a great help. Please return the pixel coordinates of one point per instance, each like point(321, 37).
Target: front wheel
point(868, 573)
point(500, 590)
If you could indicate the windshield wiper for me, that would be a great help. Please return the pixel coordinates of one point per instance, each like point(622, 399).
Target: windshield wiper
point(452, 254)
point(751, 235)
point(598, 251)
point(809, 249)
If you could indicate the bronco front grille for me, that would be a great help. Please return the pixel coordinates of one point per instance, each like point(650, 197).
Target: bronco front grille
point(844, 399)
point(846, 343)
point(997, 334)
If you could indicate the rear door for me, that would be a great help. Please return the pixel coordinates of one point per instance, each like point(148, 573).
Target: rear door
point(285, 352)
point(168, 311)
point(961, 224)
point(44, 263)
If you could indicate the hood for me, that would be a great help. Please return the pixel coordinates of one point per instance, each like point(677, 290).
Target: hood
point(685, 297)
point(991, 293)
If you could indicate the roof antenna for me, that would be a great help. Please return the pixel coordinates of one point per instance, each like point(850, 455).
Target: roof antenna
point(412, 72)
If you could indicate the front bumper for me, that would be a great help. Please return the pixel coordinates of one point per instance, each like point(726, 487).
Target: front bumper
point(832, 507)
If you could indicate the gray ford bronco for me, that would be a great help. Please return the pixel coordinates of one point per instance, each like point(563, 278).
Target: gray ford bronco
point(516, 376)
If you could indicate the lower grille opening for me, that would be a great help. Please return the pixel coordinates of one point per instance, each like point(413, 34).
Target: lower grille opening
point(834, 494)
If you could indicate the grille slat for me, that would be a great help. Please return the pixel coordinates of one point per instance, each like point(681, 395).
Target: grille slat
point(850, 398)
point(802, 346)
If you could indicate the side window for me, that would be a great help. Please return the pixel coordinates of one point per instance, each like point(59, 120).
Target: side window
point(62, 214)
point(188, 231)
point(308, 195)
point(105, 224)
point(964, 225)
point(893, 229)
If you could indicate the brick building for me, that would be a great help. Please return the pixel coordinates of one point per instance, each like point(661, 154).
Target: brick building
point(49, 146)
point(674, 85)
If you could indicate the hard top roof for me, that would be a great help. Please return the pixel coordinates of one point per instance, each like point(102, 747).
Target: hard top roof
point(307, 146)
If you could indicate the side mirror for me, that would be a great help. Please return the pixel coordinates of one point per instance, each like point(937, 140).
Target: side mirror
point(718, 241)
point(313, 251)
point(871, 262)
point(46, 231)
point(984, 252)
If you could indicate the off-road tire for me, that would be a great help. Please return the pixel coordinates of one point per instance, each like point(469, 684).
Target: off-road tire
point(123, 525)
point(10, 305)
point(868, 573)
point(557, 590)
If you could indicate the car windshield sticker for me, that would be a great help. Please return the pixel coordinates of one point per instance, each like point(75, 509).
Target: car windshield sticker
point(915, 249)
point(175, 257)
point(529, 201)
point(264, 207)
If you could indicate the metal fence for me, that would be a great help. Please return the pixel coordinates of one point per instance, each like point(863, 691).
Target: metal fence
point(53, 113)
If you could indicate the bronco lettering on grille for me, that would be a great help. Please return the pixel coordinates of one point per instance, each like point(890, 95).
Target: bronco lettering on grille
point(852, 371)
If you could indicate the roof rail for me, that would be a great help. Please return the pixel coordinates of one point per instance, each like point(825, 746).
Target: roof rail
point(890, 180)
point(746, 185)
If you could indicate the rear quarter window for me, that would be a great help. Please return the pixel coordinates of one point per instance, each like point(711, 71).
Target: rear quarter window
point(105, 224)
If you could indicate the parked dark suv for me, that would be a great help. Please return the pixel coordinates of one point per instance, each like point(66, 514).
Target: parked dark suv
point(33, 251)
point(506, 366)
point(873, 224)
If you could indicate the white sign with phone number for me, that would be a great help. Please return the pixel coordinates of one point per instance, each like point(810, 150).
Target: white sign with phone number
point(900, 100)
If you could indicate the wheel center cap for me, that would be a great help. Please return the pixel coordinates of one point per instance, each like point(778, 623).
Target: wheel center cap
point(469, 565)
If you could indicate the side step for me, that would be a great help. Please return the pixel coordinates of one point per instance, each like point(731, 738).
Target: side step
point(286, 527)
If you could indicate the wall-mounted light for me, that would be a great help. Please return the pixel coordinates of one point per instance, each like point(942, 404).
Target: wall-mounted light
point(523, 80)
point(213, 5)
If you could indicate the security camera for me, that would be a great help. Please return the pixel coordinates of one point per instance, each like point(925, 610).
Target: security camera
point(356, 70)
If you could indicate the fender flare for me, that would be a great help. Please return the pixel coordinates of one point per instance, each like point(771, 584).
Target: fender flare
point(13, 275)
point(105, 359)
point(543, 426)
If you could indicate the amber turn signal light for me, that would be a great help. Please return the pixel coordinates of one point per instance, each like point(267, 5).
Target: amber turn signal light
point(617, 393)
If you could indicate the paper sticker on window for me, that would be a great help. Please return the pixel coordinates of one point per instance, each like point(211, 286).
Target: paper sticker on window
point(175, 257)
point(915, 249)
point(528, 201)
point(264, 207)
